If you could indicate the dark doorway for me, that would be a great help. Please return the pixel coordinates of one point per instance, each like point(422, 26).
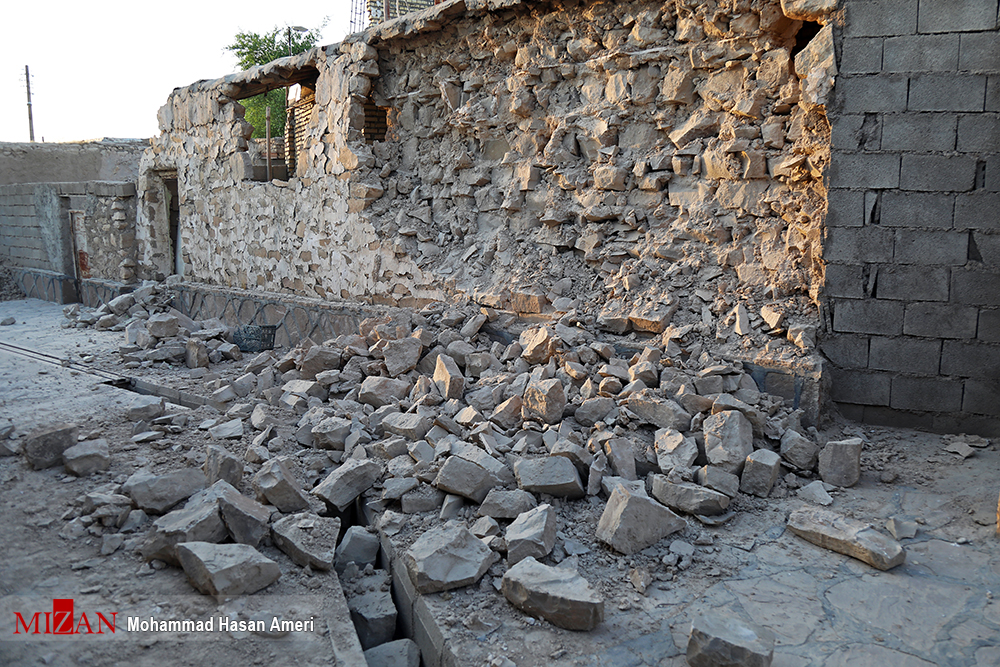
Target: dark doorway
point(174, 218)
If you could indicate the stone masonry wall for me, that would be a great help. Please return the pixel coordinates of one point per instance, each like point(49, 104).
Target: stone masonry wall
point(637, 165)
point(913, 246)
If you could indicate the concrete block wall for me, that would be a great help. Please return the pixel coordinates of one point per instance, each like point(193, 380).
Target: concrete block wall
point(913, 233)
point(21, 242)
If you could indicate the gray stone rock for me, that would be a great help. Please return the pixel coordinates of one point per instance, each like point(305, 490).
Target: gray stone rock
point(728, 440)
point(798, 450)
point(689, 498)
point(44, 447)
point(401, 356)
point(578, 455)
point(307, 539)
point(195, 354)
point(424, 498)
point(408, 425)
point(226, 570)
point(318, 359)
point(507, 415)
point(544, 401)
point(840, 462)
point(465, 478)
point(719, 480)
point(227, 430)
point(87, 457)
point(331, 433)
point(594, 410)
point(815, 492)
point(146, 408)
point(506, 504)
point(400, 653)
point(558, 595)
point(673, 450)
point(631, 522)
point(760, 473)
point(162, 325)
point(718, 640)
point(358, 546)
point(554, 475)
point(245, 519)
point(445, 558)
point(220, 464)
point(156, 494)
point(621, 457)
point(532, 533)
point(846, 536)
point(347, 482)
point(448, 378)
point(662, 413)
point(199, 522)
point(379, 391)
point(275, 484)
point(374, 617)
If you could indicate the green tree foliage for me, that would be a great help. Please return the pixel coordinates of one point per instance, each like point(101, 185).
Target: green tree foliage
point(252, 49)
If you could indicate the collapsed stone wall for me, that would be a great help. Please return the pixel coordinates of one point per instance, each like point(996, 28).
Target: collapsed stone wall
point(643, 165)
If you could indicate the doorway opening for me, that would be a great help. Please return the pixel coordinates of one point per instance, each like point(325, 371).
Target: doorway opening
point(174, 223)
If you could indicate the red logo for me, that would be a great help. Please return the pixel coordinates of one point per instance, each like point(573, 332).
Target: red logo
point(62, 621)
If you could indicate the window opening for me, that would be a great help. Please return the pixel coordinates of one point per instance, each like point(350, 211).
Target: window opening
point(299, 108)
point(376, 122)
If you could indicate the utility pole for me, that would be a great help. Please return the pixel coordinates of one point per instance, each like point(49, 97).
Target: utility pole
point(31, 123)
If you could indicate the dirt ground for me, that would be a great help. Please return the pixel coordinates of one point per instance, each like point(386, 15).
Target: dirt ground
point(825, 609)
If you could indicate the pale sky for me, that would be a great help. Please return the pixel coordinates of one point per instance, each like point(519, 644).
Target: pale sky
point(103, 68)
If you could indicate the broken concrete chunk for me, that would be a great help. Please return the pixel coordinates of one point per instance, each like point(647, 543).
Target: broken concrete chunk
point(374, 617)
point(158, 493)
point(799, 450)
point(728, 440)
point(400, 653)
point(465, 478)
point(840, 462)
point(674, 450)
point(220, 464)
point(44, 447)
point(87, 457)
point(358, 546)
point(631, 522)
point(506, 504)
point(532, 533)
point(554, 475)
point(557, 594)
point(307, 539)
point(347, 482)
point(760, 473)
point(225, 570)
point(275, 484)
point(447, 557)
point(689, 498)
point(718, 639)
point(846, 536)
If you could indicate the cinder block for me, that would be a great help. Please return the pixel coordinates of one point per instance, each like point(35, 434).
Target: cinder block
point(946, 248)
point(979, 52)
point(972, 360)
point(862, 55)
point(963, 422)
point(979, 133)
point(912, 283)
point(920, 132)
point(947, 92)
point(921, 53)
point(856, 413)
point(856, 132)
point(905, 355)
point(992, 176)
point(961, 16)
point(860, 387)
point(989, 326)
point(868, 18)
point(886, 416)
point(940, 320)
point(982, 397)
point(845, 280)
point(858, 244)
point(868, 316)
point(879, 93)
point(993, 93)
point(977, 210)
point(988, 247)
point(846, 351)
point(931, 394)
point(917, 209)
point(846, 208)
point(938, 173)
point(975, 287)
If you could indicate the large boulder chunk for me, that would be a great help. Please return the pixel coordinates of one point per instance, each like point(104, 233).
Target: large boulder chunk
point(379, 391)
point(275, 484)
point(220, 464)
point(799, 450)
point(559, 595)
point(445, 558)
point(331, 433)
point(673, 450)
point(146, 408)
point(594, 410)
point(156, 494)
point(44, 447)
point(661, 412)
point(718, 640)
point(532, 533)
point(401, 356)
point(226, 570)
point(554, 475)
point(465, 478)
point(307, 539)
point(689, 498)
point(537, 345)
point(317, 359)
point(544, 401)
point(846, 536)
point(728, 440)
point(632, 521)
point(448, 377)
point(408, 425)
point(760, 473)
point(347, 482)
point(200, 522)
